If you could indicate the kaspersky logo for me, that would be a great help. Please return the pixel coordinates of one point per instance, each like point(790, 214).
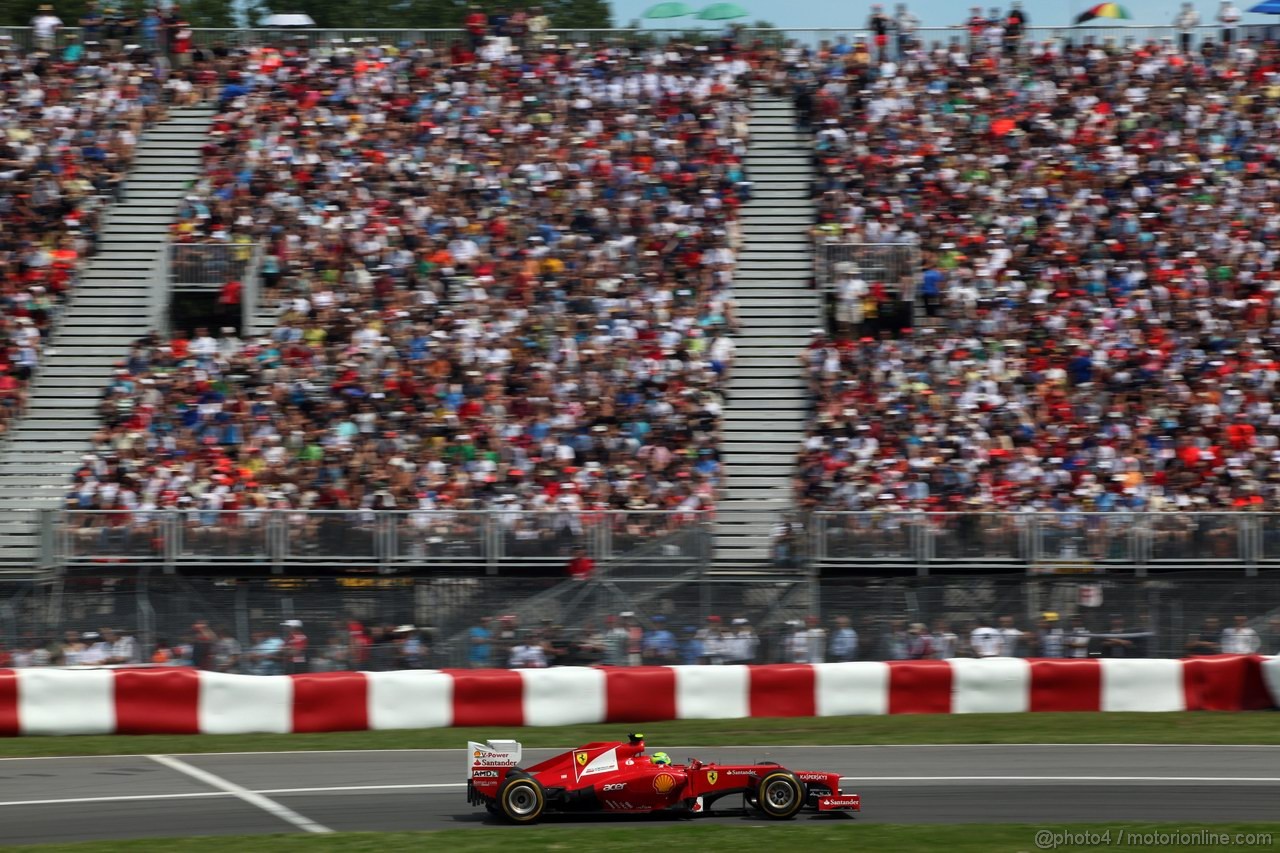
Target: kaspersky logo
point(712, 776)
point(582, 758)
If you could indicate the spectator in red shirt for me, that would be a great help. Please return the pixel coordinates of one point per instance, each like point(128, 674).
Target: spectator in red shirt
point(580, 565)
point(477, 24)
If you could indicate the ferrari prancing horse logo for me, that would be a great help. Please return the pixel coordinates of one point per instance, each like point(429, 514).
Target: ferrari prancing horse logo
point(582, 758)
point(712, 776)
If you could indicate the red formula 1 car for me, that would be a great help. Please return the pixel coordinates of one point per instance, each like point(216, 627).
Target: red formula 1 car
point(619, 777)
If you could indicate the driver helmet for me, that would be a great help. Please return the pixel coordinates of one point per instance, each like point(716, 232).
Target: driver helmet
point(661, 758)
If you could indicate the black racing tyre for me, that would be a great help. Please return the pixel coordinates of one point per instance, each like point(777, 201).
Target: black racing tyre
point(492, 808)
point(780, 795)
point(521, 800)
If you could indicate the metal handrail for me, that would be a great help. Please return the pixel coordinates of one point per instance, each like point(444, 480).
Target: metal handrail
point(1033, 541)
point(21, 36)
point(379, 538)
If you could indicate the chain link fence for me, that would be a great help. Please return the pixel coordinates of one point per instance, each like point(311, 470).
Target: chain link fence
point(364, 622)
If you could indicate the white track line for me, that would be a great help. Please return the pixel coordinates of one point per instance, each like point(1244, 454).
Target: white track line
point(427, 786)
point(253, 798)
point(118, 799)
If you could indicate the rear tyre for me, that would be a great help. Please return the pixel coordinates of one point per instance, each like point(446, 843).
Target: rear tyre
point(780, 795)
point(521, 800)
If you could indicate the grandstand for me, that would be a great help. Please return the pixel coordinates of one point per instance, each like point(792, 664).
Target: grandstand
point(754, 310)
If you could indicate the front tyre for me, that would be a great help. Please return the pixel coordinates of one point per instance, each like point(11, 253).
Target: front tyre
point(780, 795)
point(521, 800)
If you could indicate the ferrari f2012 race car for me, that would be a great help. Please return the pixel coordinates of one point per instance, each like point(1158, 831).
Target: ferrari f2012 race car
point(619, 777)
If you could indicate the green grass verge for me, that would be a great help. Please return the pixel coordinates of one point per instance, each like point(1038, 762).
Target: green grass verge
point(1260, 727)
point(829, 835)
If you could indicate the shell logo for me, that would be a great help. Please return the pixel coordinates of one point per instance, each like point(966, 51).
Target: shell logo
point(663, 782)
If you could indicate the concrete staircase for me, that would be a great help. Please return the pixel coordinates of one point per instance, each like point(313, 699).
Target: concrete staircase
point(768, 408)
point(118, 299)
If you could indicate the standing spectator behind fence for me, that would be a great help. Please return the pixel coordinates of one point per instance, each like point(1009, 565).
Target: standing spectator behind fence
point(265, 655)
point(1119, 641)
point(1228, 17)
point(44, 28)
point(1186, 22)
point(480, 645)
point(616, 638)
point(580, 566)
point(905, 23)
point(1240, 639)
point(119, 648)
point(295, 648)
point(786, 547)
point(97, 649)
point(1011, 638)
point(919, 642)
point(538, 25)
point(744, 645)
point(1015, 28)
point(1208, 640)
point(985, 640)
point(660, 644)
point(1078, 638)
point(226, 651)
point(844, 641)
point(945, 640)
point(527, 653)
point(202, 641)
point(807, 643)
point(1050, 639)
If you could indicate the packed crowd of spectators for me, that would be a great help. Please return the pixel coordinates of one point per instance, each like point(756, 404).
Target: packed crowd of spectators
point(70, 117)
point(503, 278)
point(1098, 326)
point(629, 640)
point(283, 649)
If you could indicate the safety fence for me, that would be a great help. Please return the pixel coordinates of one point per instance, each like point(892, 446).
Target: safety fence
point(387, 622)
point(194, 265)
point(440, 39)
point(1064, 542)
point(187, 701)
point(408, 541)
point(387, 540)
point(896, 266)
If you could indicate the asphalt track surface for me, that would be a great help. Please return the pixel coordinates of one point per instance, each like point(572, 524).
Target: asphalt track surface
point(117, 797)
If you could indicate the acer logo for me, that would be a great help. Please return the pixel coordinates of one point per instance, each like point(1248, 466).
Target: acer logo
point(616, 786)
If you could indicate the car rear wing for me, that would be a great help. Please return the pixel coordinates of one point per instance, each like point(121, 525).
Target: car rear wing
point(483, 759)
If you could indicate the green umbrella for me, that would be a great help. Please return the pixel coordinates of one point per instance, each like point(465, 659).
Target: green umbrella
point(668, 10)
point(722, 12)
